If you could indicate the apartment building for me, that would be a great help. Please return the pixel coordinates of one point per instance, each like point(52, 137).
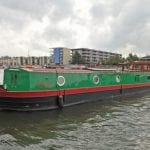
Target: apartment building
point(21, 61)
point(92, 56)
point(61, 56)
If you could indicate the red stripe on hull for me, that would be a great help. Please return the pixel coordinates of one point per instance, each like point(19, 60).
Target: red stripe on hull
point(91, 89)
point(127, 86)
point(32, 94)
point(28, 94)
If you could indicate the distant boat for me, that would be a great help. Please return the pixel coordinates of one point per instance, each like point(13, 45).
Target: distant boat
point(30, 89)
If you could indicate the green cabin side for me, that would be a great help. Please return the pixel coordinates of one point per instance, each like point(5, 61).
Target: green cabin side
point(16, 79)
point(19, 79)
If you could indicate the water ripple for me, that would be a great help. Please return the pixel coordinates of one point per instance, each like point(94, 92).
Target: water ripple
point(118, 124)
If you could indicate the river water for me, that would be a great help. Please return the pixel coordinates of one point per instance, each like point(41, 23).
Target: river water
point(116, 124)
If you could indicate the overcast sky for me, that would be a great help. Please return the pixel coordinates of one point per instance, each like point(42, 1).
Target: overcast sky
point(121, 26)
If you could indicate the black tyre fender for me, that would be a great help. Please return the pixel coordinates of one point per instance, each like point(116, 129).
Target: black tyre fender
point(60, 101)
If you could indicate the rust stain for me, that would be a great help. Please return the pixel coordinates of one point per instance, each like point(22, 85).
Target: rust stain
point(42, 85)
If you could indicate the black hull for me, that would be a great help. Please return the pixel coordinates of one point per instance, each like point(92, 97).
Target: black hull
point(55, 102)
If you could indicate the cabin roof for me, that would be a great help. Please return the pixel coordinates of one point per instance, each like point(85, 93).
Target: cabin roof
point(57, 70)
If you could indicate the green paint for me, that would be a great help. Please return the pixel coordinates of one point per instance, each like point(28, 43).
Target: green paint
point(27, 80)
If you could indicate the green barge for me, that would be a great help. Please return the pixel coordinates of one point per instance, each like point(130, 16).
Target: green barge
point(29, 89)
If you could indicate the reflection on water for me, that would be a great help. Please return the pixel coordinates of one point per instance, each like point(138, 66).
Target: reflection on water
point(117, 124)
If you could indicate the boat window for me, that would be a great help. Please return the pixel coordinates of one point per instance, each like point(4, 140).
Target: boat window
point(148, 77)
point(118, 78)
point(60, 80)
point(95, 79)
point(137, 78)
point(13, 79)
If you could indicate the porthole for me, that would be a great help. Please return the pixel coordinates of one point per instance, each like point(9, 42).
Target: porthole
point(118, 78)
point(95, 79)
point(60, 80)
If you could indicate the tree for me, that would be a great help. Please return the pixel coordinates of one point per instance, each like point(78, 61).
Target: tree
point(115, 60)
point(132, 57)
point(77, 58)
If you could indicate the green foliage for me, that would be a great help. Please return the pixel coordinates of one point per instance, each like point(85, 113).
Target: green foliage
point(132, 57)
point(115, 60)
point(77, 59)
